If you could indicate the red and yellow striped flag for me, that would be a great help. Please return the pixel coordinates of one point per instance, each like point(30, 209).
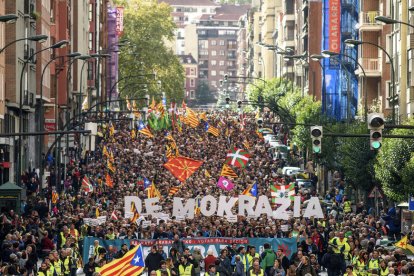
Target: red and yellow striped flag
point(228, 172)
point(173, 190)
point(133, 134)
point(135, 213)
point(191, 118)
point(108, 181)
point(111, 166)
point(55, 197)
point(105, 151)
point(202, 116)
point(246, 144)
point(153, 191)
point(132, 263)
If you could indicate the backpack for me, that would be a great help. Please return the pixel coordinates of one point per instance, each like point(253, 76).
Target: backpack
point(335, 261)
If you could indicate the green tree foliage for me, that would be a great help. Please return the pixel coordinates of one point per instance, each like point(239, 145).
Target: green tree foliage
point(354, 157)
point(203, 94)
point(394, 167)
point(147, 26)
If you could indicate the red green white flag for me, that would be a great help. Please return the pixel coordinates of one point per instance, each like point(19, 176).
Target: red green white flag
point(237, 157)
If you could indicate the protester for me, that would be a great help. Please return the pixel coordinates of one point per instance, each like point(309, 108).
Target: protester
point(53, 221)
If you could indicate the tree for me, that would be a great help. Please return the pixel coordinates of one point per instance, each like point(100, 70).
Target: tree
point(394, 167)
point(354, 158)
point(203, 94)
point(147, 26)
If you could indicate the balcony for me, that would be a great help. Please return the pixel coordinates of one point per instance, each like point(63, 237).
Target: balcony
point(372, 67)
point(367, 21)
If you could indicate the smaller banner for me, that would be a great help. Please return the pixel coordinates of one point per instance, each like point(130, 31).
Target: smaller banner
point(288, 245)
point(119, 21)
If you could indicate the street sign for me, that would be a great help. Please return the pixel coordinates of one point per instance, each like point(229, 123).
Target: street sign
point(411, 203)
point(375, 192)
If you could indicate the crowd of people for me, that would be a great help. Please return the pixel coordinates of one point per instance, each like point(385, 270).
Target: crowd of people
point(47, 237)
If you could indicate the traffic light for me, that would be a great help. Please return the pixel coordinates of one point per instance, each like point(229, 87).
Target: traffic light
point(316, 135)
point(375, 126)
point(226, 77)
point(239, 104)
point(260, 122)
point(227, 100)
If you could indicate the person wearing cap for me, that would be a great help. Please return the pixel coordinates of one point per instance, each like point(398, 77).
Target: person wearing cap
point(186, 268)
point(163, 267)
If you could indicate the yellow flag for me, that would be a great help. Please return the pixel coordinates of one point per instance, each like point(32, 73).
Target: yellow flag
point(97, 212)
point(402, 243)
point(85, 104)
point(133, 134)
point(105, 151)
point(207, 174)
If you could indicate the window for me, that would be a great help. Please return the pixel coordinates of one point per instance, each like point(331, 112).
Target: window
point(221, 62)
point(387, 93)
point(192, 72)
point(388, 46)
point(214, 62)
point(90, 70)
point(203, 53)
point(90, 14)
point(221, 42)
point(192, 82)
point(221, 73)
point(90, 41)
point(213, 53)
point(213, 43)
point(213, 73)
point(214, 83)
point(192, 94)
point(222, 53)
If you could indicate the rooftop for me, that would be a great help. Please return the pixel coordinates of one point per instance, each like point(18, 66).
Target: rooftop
point(187, 59)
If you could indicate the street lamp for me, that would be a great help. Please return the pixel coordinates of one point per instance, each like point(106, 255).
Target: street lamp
point(37, 38)
point(353, 42)
point(391, 21)
point(318, 58)
point(335, 54)
point(57, 45)
point(8, 18)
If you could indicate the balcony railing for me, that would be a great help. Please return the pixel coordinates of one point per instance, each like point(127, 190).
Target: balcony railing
point(369, 17)
point(371, 65)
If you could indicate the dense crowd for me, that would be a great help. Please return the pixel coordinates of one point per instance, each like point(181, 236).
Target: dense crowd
point(47, 238)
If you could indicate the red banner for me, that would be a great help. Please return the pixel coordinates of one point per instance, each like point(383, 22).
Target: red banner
point(335, 26)
point(119, 21)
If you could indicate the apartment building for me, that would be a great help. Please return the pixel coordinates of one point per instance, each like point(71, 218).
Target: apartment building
point(191, 76)
point(340, 97)
point(375, 87)
point(4, 143)
point(20, 100)
point(217, 44)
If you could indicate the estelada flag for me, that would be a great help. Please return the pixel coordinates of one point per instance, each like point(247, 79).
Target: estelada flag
point(225, 184)
point(132, 263)
point(237, 157)
point(227, 171)
point(109, 181)
point(182, 167)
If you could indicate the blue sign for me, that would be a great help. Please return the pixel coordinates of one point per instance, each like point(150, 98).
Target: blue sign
point(288, 245)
